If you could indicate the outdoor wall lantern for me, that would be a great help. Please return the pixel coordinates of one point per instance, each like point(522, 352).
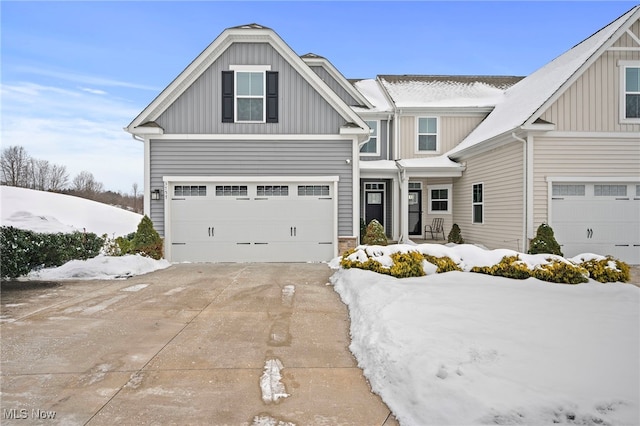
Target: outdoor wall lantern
point(155, 194)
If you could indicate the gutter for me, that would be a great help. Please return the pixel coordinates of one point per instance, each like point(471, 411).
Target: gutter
point(525, 189)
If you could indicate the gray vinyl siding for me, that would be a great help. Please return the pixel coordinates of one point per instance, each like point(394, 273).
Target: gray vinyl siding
point(255, 158)
point(382, 141)
point(335, 86)
point(302, 110)
point(501, 171)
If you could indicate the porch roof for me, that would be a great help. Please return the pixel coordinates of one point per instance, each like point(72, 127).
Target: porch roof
point(440, 166)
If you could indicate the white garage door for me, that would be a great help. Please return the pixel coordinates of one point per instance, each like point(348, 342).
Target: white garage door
point(601, 218)
point(252, 222)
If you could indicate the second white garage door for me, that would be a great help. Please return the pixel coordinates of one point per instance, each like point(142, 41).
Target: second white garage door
point(252, 221)
point(601, 218)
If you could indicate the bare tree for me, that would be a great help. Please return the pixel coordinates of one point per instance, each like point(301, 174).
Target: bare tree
point(58, 178)
point(40, 174)
point(85, 183)
point(14, 163)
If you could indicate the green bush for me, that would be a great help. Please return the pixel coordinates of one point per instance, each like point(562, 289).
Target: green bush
point(363, 230)
point(146, 240)
point(407, 265)
point(455, 236)
point(604, 272)
point(21, 251)
point(508, 267)
point(374, 235)
point(444, 264)
point(557, 271)
point(544, 242)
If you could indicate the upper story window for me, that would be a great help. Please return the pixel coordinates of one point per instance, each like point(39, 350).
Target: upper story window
point(427, 134)
point(249, 94)
point(371, 147)
point(630, 88)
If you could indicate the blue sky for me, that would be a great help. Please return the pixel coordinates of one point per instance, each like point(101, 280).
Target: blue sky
point(75, 73)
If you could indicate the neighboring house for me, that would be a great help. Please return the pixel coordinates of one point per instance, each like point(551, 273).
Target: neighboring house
point(257, 154)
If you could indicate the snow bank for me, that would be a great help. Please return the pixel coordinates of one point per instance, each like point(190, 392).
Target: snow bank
point(48, 212)
point(461, 348)
point(101, 268)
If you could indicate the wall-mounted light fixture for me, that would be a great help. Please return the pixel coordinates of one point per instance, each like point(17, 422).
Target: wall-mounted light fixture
point(155, 194)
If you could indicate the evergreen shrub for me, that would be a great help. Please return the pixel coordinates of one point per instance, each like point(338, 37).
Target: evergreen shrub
point(557, 271)
point(444, 264)
point(146, 240)
point(544, 242)
point(508, 267)
point(21, 251)
point(455, 236)
point(607, 270)
point(374, 235)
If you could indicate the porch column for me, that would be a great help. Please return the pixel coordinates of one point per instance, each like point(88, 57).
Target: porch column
point(404, 207)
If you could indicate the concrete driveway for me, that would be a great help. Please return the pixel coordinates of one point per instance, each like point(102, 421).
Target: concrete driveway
point(252, 344)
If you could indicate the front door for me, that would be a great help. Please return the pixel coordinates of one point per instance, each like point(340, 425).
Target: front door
point(374, 207)
point(415, 212)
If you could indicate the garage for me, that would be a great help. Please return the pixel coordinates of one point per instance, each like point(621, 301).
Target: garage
point(251, 220)
point(598, 217)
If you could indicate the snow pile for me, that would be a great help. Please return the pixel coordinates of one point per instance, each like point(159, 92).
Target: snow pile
point(100, 268)
point(48, 212)
point(461, 348)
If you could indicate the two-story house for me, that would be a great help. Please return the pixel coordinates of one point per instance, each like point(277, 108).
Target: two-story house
point(254, 153)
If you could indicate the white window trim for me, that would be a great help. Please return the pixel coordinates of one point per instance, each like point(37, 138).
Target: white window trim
point(482, 203)
point(377, 153)
point(251, 69)
point(449, 189)
point(623, 65)
point(417, 145)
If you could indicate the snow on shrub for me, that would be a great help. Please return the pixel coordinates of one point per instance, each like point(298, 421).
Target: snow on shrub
point(374, 234)
point(403, 260)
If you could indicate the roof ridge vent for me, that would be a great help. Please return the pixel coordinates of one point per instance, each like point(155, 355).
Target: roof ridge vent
point(252, 26)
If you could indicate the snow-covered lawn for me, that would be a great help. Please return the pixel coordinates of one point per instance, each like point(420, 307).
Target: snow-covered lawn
point(463, 348)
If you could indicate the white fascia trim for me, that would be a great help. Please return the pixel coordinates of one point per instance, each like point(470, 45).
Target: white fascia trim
point(448, 111)
point(592, 179)
point(255, 68)
point(594, 135)
point(480, 147)
point(284, 179)
point(143, 131)
point(250, 137)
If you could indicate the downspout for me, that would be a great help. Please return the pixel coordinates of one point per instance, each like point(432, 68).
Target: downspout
point(525, 192)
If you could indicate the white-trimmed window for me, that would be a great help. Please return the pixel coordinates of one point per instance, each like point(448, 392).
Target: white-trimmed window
point(630, 91)
point(439, 199)
point(249, 94)
point(427, 134)
point(371, 147)
point(477, 204)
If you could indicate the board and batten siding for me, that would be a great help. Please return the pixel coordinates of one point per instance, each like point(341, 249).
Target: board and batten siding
point(571, 157)
point(501, 171)
point(254, 158)
point(302, 110)
point(592, 102)
point(334, 85)
point(453, 129)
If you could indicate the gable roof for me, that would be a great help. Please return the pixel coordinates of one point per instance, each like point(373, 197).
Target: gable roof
point(527, 100)
point(250, 33)
point(438, 91)
point(371, 89)
point(312, 59)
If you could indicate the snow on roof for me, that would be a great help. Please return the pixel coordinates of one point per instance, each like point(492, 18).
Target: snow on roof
point(371, 90)
point(525, 98)
point(440, 162)
point(409, 91)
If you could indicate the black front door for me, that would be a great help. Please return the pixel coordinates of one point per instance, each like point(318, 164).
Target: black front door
point(374, 207)
point(415, 212)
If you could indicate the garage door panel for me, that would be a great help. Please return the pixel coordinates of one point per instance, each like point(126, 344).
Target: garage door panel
point(605, 225)
point(275, 228)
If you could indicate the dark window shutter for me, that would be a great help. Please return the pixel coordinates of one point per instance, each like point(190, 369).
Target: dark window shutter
point(272, 96)
point(227, 96)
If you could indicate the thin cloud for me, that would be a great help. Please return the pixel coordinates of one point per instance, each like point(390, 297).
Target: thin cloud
point(93, 91)
point(85, 79)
